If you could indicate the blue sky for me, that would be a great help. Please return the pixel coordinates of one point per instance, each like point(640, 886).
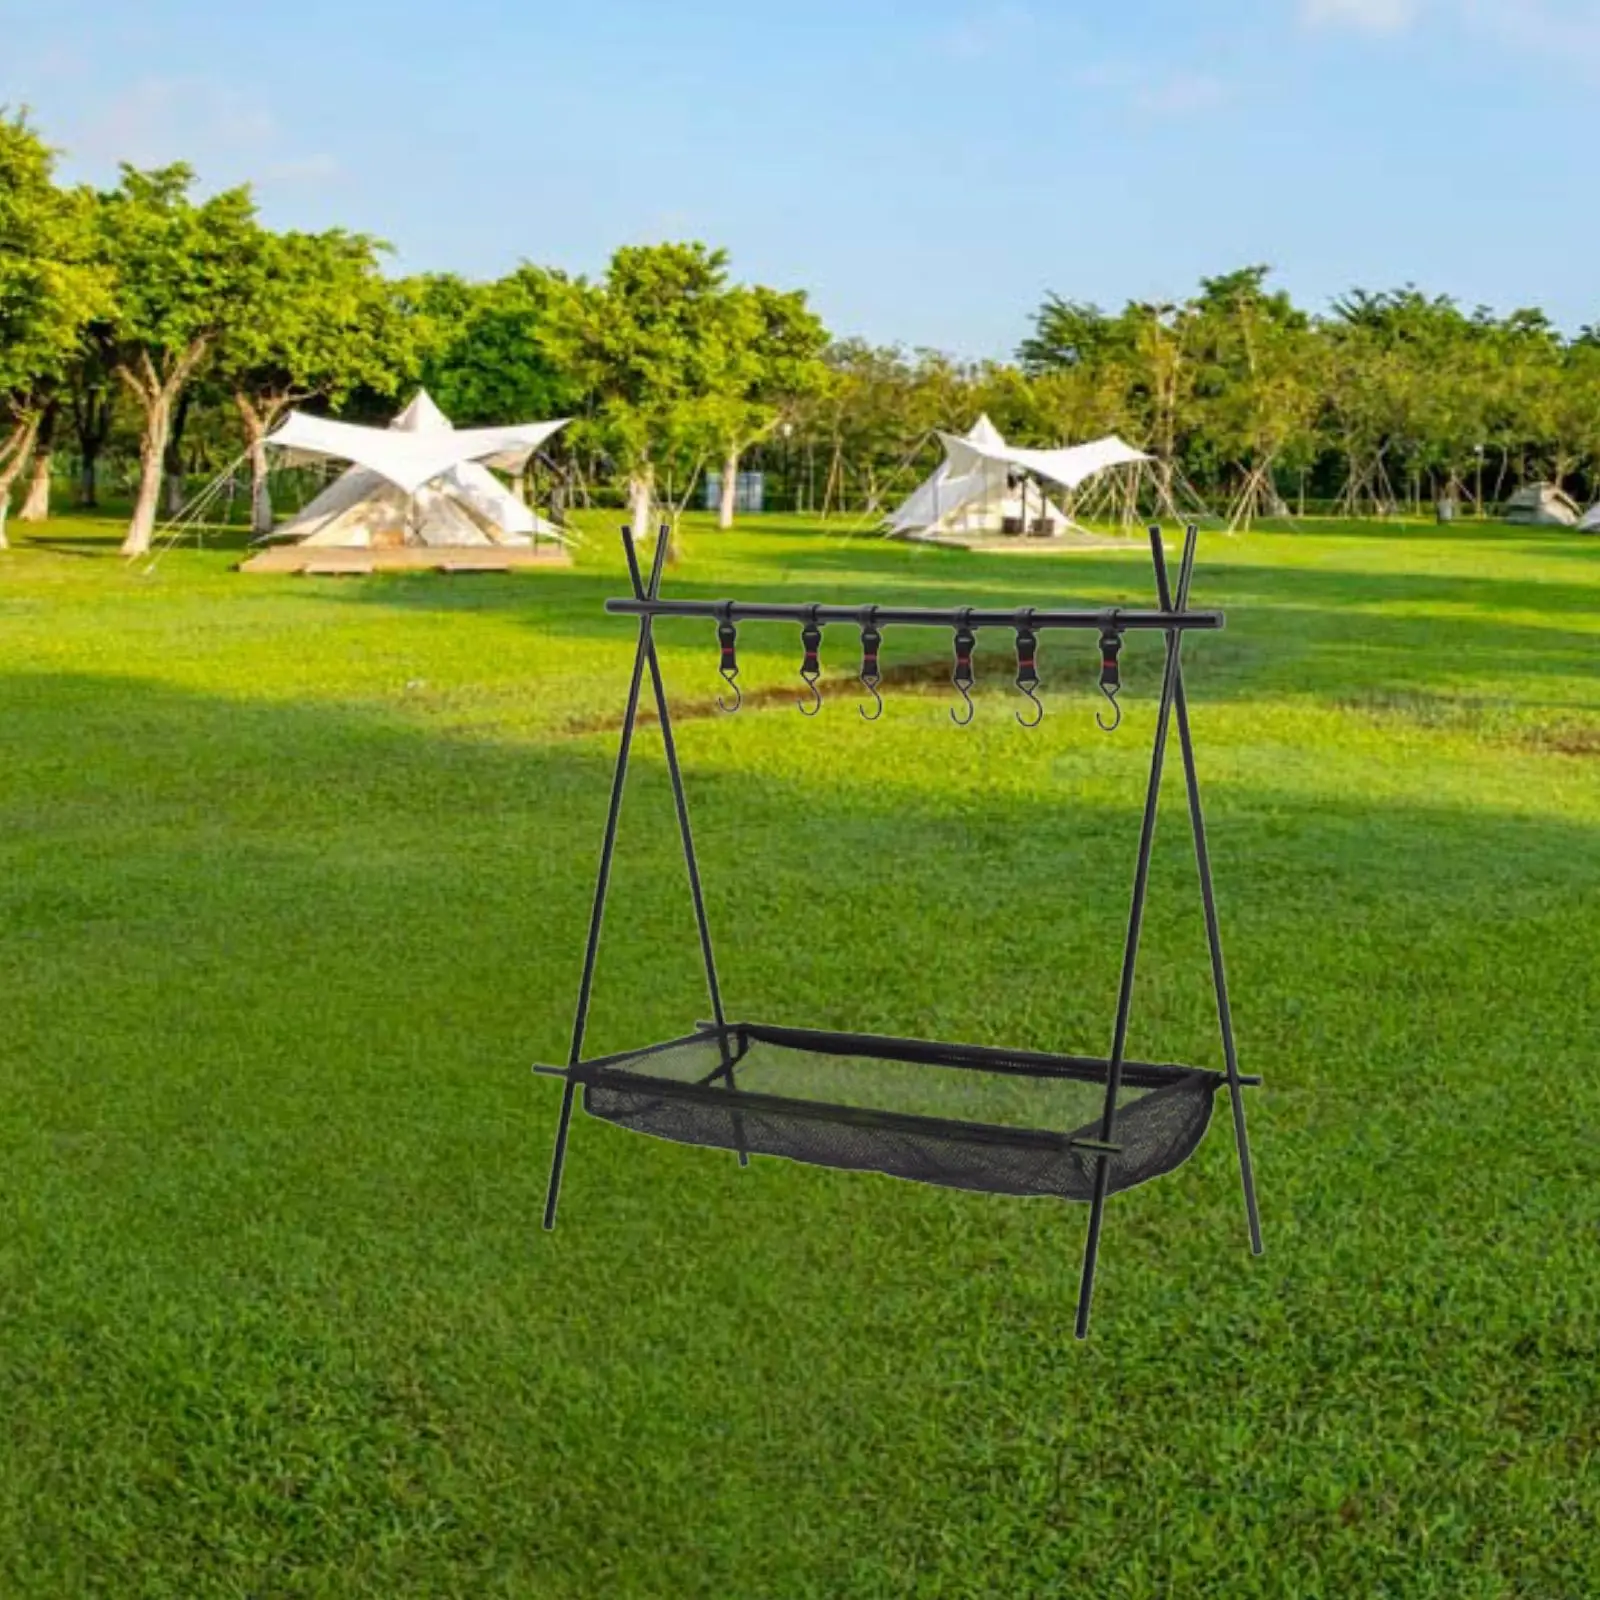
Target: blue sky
point(926, 170)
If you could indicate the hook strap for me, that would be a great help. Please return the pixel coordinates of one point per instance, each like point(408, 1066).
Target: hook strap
point(1027, 651)
point(811, 665)
point(811, 643)
point(728, 637)
point(1110, 652)
point(1110, 670)
point(871, 642)
point(1028, 668)
point(965, 643)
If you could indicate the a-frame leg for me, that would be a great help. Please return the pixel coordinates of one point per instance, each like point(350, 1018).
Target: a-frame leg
point(1219, 976)
point(603, 880)
point(690, 861)
point(1130, 954)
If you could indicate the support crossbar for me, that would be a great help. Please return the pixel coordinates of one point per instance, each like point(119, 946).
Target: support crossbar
point(737, 611)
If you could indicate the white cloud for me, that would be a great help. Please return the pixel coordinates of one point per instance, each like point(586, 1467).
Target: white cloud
point(1566, 31)
point(1365, 16)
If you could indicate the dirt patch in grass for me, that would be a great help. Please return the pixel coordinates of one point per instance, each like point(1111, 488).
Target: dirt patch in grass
point(1503, 722)
point(1424, 710)
point(1570, 741)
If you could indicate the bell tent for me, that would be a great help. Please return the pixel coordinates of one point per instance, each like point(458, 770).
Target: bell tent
point(986, 488)
point(1541, 505)
point(418, 493)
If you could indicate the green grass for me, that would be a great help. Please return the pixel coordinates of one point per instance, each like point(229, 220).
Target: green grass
point(294, 880)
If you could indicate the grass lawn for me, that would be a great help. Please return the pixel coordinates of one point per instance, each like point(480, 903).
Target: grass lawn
point(295, 876)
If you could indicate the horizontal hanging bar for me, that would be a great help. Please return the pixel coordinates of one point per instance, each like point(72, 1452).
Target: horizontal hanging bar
point(917, 616)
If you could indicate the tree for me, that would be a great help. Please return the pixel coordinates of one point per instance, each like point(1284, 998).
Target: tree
point(1358, 399)
point(434, 307)
point(1408, 392)
point(768, 359)
point(91, 390)
point(1069, 335)
point(35, 505)
point(1528, 376)
point(861, 414)
point(321, 322)
point(1576, 407)
point(1132, 373)
point(1080, 363)
point(1162, 389)
point(49, 288)
point(646, 343)
point(184, 275)
point(1254, 356)
point(489, 353)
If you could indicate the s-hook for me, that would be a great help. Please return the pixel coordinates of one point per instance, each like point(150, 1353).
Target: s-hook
point(811, 667)
point(871, 639)
point(1110, 671)
point(1028, 667)
point(965, 643)
point(728, 638)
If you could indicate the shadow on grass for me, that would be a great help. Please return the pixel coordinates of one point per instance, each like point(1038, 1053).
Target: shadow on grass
point(96, 534)
point(88, 549)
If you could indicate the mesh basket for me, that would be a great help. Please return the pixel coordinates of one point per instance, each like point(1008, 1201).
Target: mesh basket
point(966, 1117)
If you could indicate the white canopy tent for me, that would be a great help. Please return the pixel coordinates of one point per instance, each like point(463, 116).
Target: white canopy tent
point(986, 487)
point(418, 482)
point(1589, 522)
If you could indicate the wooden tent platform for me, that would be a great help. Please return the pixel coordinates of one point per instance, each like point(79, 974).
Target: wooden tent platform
point(354, 563)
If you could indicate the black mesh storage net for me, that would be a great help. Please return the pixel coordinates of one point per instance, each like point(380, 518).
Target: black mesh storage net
point(1005, 1122)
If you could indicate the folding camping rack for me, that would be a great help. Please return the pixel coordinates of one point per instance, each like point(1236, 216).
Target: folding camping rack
point(990, 1119)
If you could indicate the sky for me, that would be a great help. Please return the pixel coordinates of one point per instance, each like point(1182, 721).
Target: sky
point(928, 171)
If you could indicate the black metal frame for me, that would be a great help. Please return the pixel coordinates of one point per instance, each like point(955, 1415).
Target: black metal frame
point(1173, 620)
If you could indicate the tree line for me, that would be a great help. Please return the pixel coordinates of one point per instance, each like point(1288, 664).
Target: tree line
point(152, 333)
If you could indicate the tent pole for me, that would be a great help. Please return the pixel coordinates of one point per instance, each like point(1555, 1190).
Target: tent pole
point(602, 882)
point(1219, 976)
point(1130, 954)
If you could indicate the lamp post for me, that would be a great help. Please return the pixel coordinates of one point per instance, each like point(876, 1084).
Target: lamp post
point(1477, 493)
point(786, 429)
